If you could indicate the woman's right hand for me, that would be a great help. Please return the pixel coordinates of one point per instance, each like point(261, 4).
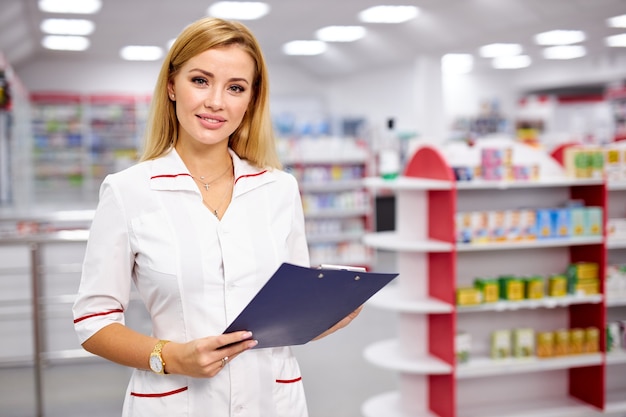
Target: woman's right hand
point(205, 357)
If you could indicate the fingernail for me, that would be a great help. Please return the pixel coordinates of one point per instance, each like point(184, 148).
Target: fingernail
point(246, 335)
point(252, 344)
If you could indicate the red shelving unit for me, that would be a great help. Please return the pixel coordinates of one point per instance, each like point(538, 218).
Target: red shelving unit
point(432, 266)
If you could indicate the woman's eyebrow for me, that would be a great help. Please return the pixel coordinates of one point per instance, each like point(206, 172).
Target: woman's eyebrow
point(211, 75)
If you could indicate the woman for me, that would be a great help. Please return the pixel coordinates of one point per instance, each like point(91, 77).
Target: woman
point(198, 226)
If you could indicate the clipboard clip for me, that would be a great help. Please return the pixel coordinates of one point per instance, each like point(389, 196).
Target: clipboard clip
point(342, 267)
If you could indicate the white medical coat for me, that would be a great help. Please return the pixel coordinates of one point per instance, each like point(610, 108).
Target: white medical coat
point(194, 273)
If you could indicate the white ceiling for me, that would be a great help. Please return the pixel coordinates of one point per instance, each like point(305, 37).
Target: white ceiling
point(443, 26)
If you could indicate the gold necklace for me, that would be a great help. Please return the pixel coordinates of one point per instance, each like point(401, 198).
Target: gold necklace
point(206, 185)
point(214, 210)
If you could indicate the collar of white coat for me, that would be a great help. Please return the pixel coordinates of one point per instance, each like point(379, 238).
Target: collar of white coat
point(169, 173)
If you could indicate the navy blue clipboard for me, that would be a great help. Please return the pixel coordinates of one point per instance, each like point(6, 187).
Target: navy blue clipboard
point(298, 304)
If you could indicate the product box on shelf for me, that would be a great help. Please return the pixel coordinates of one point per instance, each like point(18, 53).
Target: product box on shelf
point(523, 343)
point(534, 287)
point(501, 346)
point(489, 289)
point(463, 346)
point(545, 344)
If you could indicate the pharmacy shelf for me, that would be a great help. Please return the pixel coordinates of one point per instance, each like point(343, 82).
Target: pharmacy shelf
point(542, 183)
point(393, 241)
point(565, 407)
point(335, 237)
point(616, 357)
point(483, 367)
point(407, 183)
point(616, 186)
point(614, 243)
point(618, 300)
point(532, 244)
point(546, 302)
point(388, 354)
point(615, 402)
point(388, 405)
point(330, 186)
point(393, 298)
point(336, 213)
point(432, 263)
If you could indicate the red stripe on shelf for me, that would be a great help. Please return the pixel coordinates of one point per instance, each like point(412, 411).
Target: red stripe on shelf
point(250, 175)
point(161, 394)
point(170, 175)
point(119, 310)
point(288, 381)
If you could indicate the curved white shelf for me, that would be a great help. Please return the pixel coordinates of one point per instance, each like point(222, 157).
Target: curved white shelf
point(532, 244)
point(563, 407)
point(541, 183)
point(616, 186)
point(407, 183)
point(616, 357)
point(615, 300)
point(546, 302)
point(613, 243)
point(387, 354)
point(337, 212)
point(330, 185)
point(482, 367)
point(392, 299)
point(388, 405)
point(392, 241)
point(615, 402)
point(334, 237)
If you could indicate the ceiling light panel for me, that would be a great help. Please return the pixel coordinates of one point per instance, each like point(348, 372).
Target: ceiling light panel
point(238, 10)
point(70, 6)
point(500, 49)
point(65, 43)
point(560, 37)
point(617, 41)
point(511, 62)
point(388, 14)
point(564, 52)
point(304, 48)
point(80, 27)
point(340, 33)
point(617, 21)
point(141, 53)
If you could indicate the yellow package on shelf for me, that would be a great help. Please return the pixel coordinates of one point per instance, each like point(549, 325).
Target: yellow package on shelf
point(468, 296)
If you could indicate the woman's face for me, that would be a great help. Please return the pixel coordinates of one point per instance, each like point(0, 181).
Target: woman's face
point(212, 92)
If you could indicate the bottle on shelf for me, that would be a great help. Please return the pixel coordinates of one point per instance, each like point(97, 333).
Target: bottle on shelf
point(389, 154)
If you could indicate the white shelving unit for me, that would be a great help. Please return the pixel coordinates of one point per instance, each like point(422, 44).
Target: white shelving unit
point(337, 206)
point(432, 265)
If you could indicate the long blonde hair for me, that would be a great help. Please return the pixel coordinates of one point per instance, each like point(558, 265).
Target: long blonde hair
point(254, 139)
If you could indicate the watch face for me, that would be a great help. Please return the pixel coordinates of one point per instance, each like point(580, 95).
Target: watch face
point(155, 364)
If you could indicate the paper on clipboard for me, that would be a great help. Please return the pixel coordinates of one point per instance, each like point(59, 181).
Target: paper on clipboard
point(298, 303)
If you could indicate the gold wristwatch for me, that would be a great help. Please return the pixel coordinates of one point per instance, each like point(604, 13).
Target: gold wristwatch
point(157, 364)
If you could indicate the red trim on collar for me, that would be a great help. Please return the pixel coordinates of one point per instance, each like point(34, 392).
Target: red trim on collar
point(170, 175)
point(251, 175)
point(118, 310)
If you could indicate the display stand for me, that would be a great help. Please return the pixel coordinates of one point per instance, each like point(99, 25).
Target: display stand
point(433, 266)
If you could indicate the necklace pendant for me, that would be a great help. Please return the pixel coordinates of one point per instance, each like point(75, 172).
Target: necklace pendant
point(206, 187)
point(215, 213)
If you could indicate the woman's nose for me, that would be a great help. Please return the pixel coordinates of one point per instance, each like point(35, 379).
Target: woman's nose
point(214, 99)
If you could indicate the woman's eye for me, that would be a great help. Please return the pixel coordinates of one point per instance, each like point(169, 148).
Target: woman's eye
point(199, 80)
point(237, 89)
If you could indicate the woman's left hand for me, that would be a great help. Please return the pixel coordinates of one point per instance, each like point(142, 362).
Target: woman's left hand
point(341, 324)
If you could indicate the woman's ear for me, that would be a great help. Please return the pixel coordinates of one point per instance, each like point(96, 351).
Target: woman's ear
point(170, 91)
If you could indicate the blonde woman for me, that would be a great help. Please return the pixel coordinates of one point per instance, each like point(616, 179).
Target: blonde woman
point(198, 226)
